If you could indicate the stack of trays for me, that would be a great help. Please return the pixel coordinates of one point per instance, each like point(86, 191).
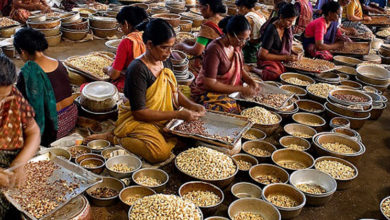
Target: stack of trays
point(375, 76)
point(74, 27)
point(180, 66)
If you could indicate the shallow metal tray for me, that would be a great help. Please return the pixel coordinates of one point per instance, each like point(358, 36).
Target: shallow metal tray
point(216, 123)
point(351, 46)
point(68, 171)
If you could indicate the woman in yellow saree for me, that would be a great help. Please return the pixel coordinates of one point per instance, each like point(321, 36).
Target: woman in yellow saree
point(154, 98)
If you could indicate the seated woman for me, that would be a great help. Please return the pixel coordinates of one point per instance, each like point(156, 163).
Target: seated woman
point(370, 6)
point(44, 82)
point(222, 72)
point(305, 11)
point(19, 136)
point(154, 98)
point(353, 16)
point(256, 19)
point(322, 34)
point(211, 10)
point(130, 47)
point(21, 9)
point(277, 44)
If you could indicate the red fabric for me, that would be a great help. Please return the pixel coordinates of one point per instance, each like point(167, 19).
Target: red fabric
point(316, 29)
point(15, 116)
point(124, 55)
point(305, 16)
point(67, 119)
point(271, 69)
point(214, 26)
point(322, 54)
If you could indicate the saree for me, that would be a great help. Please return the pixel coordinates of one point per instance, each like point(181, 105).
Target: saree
point(142, 138)
point(138, 50)
point(40, 95)
point(251, 47)
point(215, 101)
point(305, 16)
point(329, 38)
point(208, 30)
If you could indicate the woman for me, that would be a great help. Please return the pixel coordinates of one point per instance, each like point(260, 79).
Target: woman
point(211, 10)
point(277, 44)
point(322, 34)
point(256, 20)
point(222, 72)
point(305, 11)
point(353, 15)
point(154, 98)
point(21, 9)
point(45, 84)
point(130, 47)
point(19, 136)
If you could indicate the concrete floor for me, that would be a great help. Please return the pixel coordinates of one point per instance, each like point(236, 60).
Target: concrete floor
point(360, 201)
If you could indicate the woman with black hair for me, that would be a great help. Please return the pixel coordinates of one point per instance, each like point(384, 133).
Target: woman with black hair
point(130, 47)
point(154, 98)
point(211, 10)
point(222, 72)
point(19, 136)
point(323, 34)
point(277, 44)
point(45, 84)
point(256, 19)
point(305, 11)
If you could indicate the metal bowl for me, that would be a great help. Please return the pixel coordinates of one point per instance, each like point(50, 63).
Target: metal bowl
point(332, 97)
point(247, 158)
point(287, 140)
point(49, 23)
point(129, 160)
point(264, 145)
point(132, 191)
point(82, 157)
point(245, 190)
point(172, 19)
point(291, 129)
point(269, 129)
point(376, 99)
point(376, 112)
point(310, 106)
point(380, 207)
point(108, 182)
point(98, 145)
point(106, 153)
point(349, 132)
point(112, 45)
point(310, 120)
point(329, 137)
point(328, 77)
point(347, 70)
point(288, 190)
point(54, 40)
point(259, 134)
point(74, 35)
point(352, 84)
point(158, 174)
point(59, 152)
point(37, 18)
point(339, 122)
point(341, 184)
point(103, 22)
point(85, 149)
point(268, 169)
point(81, 25)
point(185, 25)
point(375, 75)
point(258, 206)
point(105, 33)
point(310, 176)
point(203, 186)
point(97, 163)
point(289, 155)
point(294, 89)
point(356, 123)
point(380, 88)
point(50, 32)
point(347, 61)
point(70, 17)
point(302, 77)
point(85, 12)
point(216, 218)
point(360, 112)
point(370, 89)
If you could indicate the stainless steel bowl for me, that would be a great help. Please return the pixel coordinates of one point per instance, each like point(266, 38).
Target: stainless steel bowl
point(302, 77)
point(310, 176)
point(380, 207)
point(130, 161)
point(376, 112)
point(59, 152)
point(158, 174)
point(268, 169)
point(97, 163)
point(289, 155)
point(247, 158)
point(291, 191)
point(309, 119)
point(108, 182)
point(349, 132)
point(264, 145)
point(216, 218)
point(339, 122)
point(139, 191)
point(245, 190)
point(294, 89)
point(80, 147)
point(304, 129)
point(287, 140)
point(87, 156)
point(356, 123)
point(260, 135)
point(351, 84)
point(334, 99)
point(98, 145)
point(257, 206)
point(106, 153)
point(310, 106)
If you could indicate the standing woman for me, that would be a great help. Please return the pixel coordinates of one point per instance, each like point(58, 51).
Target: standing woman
point(222, 72)
point(277, 44)
point(154, 98)
point(19, 136)
point(130, 47)
point(44, 82)
point(211, 10)
point(305, 11)
point(256, 20)
point(323, 34)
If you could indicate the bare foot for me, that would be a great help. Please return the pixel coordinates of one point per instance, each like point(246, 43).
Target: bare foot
point(104, 136)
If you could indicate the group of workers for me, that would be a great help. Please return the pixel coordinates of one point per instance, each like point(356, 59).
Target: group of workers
point(37, 106)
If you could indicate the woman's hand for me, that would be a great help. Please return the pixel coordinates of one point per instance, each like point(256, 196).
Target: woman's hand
point(188, 115)
point(248, 91)
point(291, 58)
point(339, 44)
point(367, 18)
point(5, 178)
point(198, 108)
point(105, 69)
point(19, 176)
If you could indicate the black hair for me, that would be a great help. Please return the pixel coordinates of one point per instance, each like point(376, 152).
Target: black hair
point(330, 6)
point(216, 6)
point(288, 11)
point(7, 71)
point(30, 40)
point(234, 24)
point(156, 30)
point(133, 15)
point(249, 4)
point(281, 4)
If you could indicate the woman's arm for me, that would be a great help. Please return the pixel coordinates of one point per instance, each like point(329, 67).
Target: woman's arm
point(31, 7)
point(32, 139)
point(123, 53)
point(320, 45)
point(188, 104)
point(264, 54)
point(113, 73)
point(194, 50)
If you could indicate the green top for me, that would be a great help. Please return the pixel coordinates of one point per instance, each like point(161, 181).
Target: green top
point(202, 40)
